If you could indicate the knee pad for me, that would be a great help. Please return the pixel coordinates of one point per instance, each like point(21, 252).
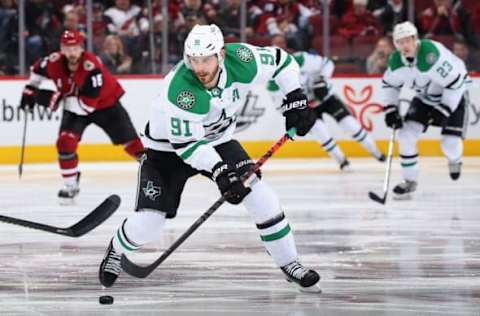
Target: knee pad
point(452, 147)
point(67, 142)
point(352, 126)
point(408, 136)
point(145, 226)
point(262, 203)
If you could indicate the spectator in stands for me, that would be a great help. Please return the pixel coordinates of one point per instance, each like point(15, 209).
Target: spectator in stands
point(340, 7)
point(70, 22)
point(377, 62)
point(194, 8)
point(8, 37)
point(465, 23)
point(461, 49)
point(100, 24)
point(440, 19)
point(287, 17)
point(359, 22)
point(229, 18)
point(393, 12)
point(42, 21)
point(280, 41)
point(124, 17)
point(211, 15)
point(114, 56)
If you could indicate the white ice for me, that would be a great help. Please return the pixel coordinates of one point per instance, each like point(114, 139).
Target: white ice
point(419, 257)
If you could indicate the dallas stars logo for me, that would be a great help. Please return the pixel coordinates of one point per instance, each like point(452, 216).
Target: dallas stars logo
point(244, 54)
point(216, 92)
point(186, 100)
point(151, 191)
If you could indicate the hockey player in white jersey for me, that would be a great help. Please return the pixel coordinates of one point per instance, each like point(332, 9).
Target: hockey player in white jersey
point(190, 132)
point(316, 72)
point(439, 79)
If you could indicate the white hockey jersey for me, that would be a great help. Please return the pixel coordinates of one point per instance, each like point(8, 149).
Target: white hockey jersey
point(437, 76)
point(312, 68)
point(189, 119)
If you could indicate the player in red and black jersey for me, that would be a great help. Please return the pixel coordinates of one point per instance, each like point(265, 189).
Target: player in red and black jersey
point(89, 94)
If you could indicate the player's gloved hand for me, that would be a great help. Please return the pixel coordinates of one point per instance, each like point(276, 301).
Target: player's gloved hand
point(27, 102)
point(440, 114)
point(392, 117)
point(297, 113)
point(48, 98)
point(229, 183)
point(320, 88)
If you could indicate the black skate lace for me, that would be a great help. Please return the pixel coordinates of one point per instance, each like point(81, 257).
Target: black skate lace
point(113, 263)
point(296, 270)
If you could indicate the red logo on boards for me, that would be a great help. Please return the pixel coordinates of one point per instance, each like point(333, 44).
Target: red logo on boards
point(360, 105)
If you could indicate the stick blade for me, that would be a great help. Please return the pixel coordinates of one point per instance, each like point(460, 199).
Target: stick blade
point(376, 198)
point(134, 270)
point(100, 214)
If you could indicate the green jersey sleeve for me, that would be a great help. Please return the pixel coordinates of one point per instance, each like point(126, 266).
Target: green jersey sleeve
point(186, 103)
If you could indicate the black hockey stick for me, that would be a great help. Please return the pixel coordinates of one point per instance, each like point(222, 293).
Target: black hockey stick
point(22, 149)
point(143, 271)
point(386, 182)
point(89, 222)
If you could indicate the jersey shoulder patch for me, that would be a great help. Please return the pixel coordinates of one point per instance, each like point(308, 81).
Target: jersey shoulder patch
point(54, 57)
point(240, 64)
point(90, 61)
point(427, 56)
point(187, 92)
point(299, 58)
point(395, 61)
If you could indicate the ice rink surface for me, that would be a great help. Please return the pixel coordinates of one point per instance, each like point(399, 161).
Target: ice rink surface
point(418, 257)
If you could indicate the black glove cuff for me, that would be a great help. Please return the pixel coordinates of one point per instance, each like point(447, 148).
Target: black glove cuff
point(390, 108)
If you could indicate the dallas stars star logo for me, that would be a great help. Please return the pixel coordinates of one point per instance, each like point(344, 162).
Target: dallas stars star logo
point(186, 100)
point(244, 54)
point(151, 191)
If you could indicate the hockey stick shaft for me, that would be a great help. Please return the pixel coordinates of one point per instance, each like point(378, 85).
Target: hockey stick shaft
point(89, 222)
point(22, 149)
point(388, 172)
point(143, 271)
point(386, 181)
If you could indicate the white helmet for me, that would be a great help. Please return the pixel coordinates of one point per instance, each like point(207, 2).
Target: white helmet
point(402, 30)
point(203, 40)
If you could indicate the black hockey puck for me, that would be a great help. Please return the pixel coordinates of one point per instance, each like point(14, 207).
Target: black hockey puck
point(106, 300)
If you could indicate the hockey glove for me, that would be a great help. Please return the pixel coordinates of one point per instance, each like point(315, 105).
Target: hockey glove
point(320, 89)
point(392, 117)
point(229, 183)
point(297, 113)
point(27, 101)
point(440, 114)
point(48, 98)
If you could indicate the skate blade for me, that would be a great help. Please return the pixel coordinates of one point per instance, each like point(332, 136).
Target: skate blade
point(403, 197)
point(346, 169)
point(66, 201)
point(311, 289)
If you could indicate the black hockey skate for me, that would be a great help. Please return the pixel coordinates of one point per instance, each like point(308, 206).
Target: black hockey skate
point(69, 192)
point(455, 169)
point(305, 279)
point(345, 166)
point(404, 190)
point(110, 267)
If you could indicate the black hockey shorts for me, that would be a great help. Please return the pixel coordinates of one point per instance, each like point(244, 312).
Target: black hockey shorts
point(456, 123)
point(334, 107)
point(162, 176)
point(115, 121)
